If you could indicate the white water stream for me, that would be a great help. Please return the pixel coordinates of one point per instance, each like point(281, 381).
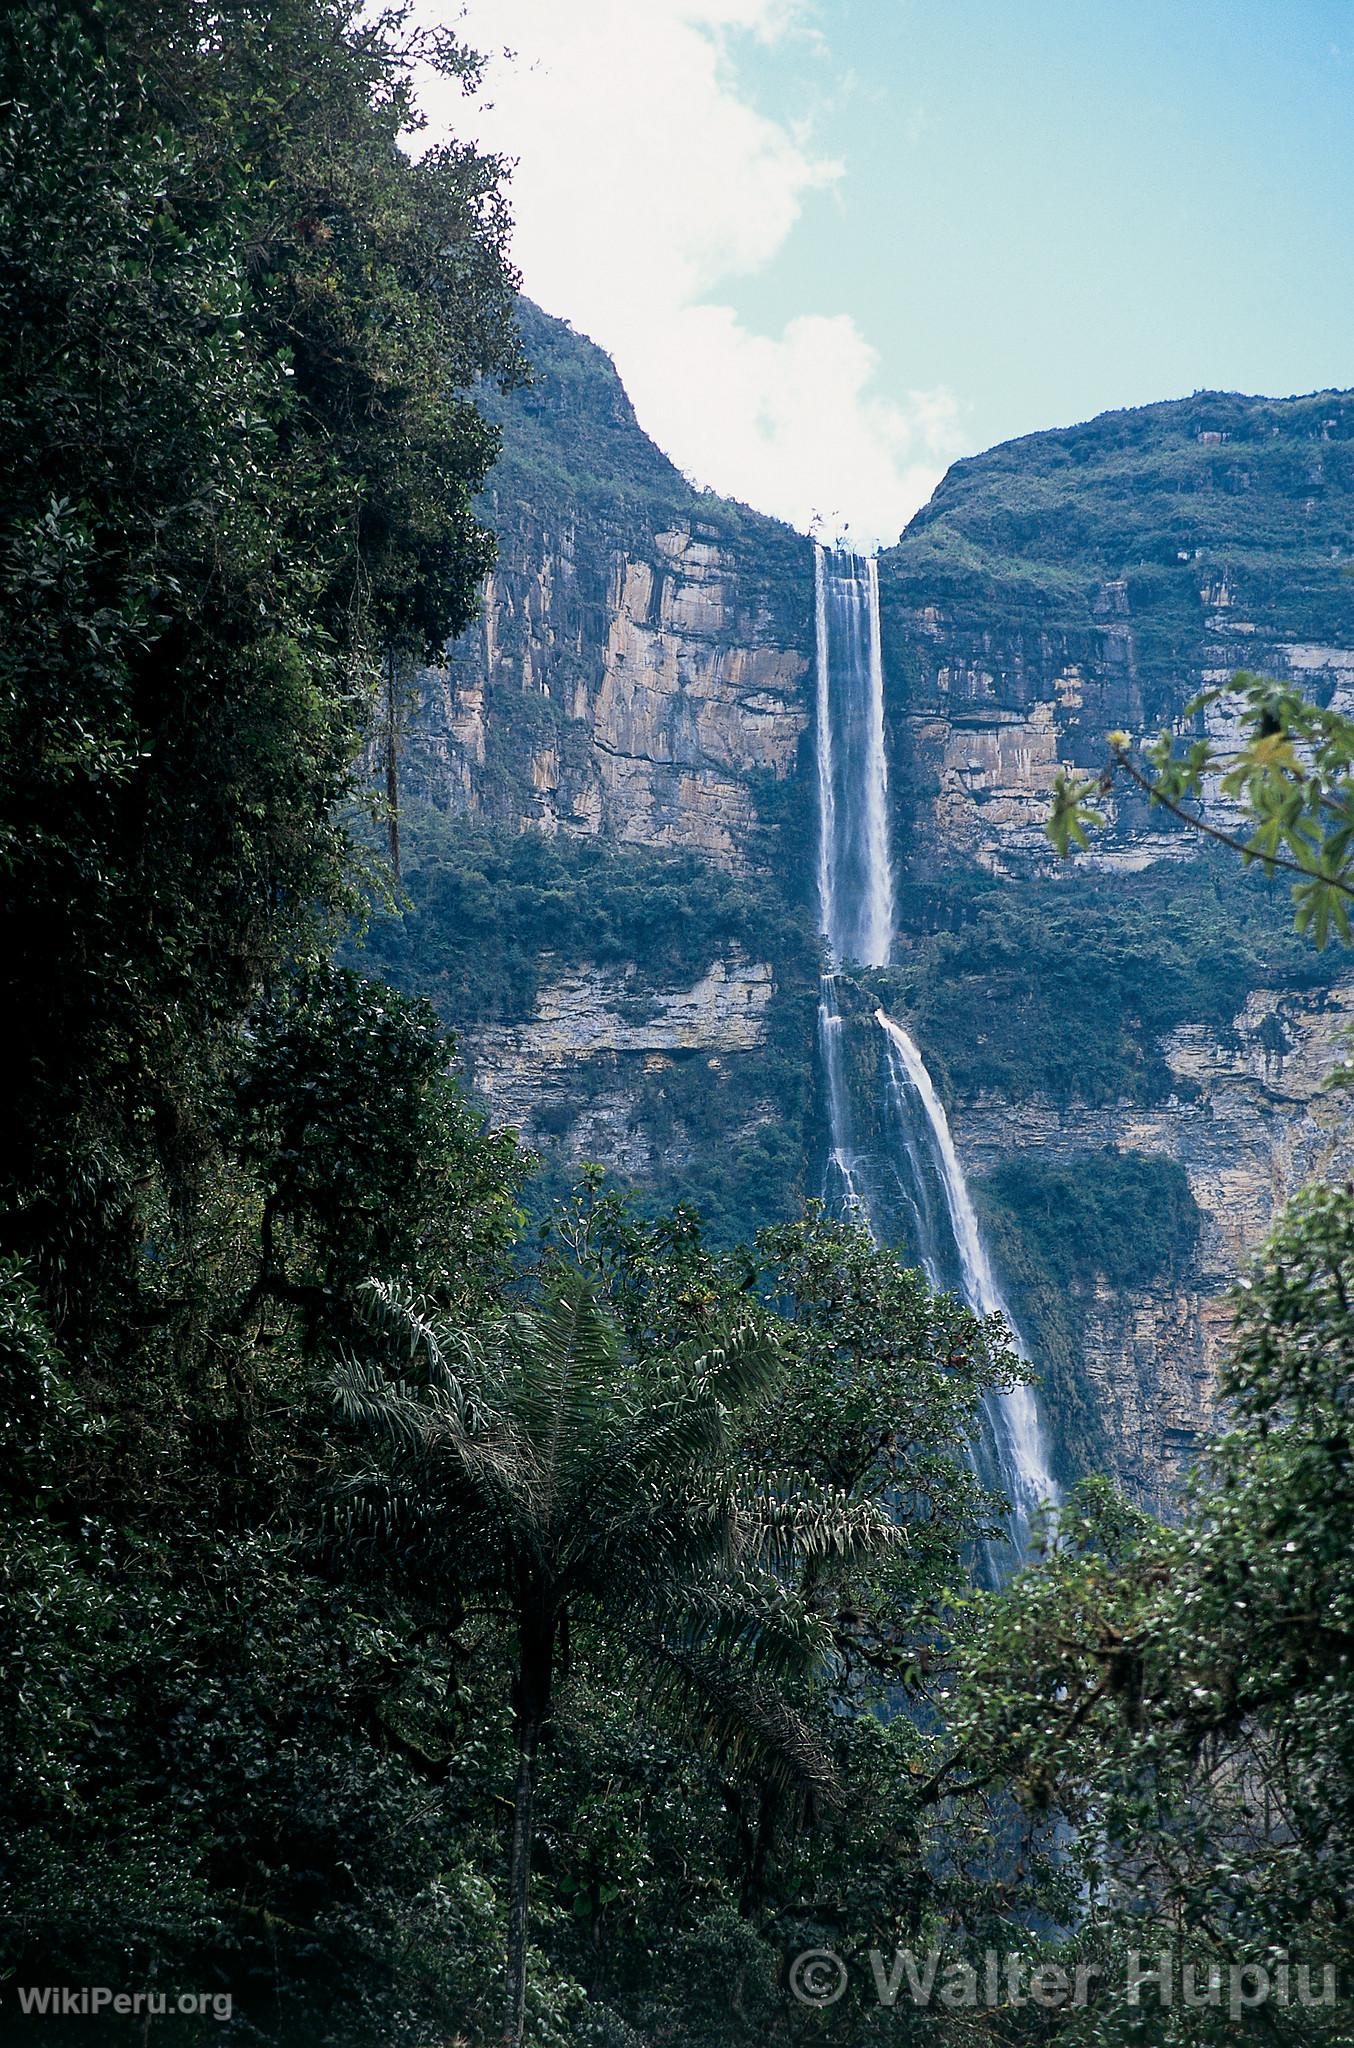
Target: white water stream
point(856, 901)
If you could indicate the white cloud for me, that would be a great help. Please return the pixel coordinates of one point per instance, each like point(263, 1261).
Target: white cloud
point(793, 424)
point(645, 180)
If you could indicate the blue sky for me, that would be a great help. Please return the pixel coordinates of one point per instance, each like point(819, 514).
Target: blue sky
point(1059, 206)
point(833, 244)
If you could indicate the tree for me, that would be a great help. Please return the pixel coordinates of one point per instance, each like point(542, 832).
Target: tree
point(242, 330)
point(1184, 1697)
point(239, 329)
point(545, 1470)
point(729, 1871)
point(216, 1754)
point(1284, 763)
point(367, 1154)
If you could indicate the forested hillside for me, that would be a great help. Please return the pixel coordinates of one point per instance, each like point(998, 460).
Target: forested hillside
point(349, 1519)
point(613, 773)
point(448, 1600)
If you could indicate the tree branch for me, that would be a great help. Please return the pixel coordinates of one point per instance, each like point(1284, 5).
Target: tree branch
point(1197, 824)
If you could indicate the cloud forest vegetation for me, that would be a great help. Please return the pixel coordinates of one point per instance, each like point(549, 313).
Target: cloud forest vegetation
point(424, 1624)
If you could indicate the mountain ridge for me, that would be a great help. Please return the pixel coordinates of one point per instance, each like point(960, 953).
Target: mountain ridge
point(612, 828)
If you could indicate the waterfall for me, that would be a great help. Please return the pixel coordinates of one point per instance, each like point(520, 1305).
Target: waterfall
point(844, 1164)
point(921, 1178)
point(855, 874)
point(1019, 1439)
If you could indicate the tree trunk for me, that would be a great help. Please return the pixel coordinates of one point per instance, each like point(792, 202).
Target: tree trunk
point(392, 766)
point(754, 1870)
point(535, 1672)
point(519, 1885)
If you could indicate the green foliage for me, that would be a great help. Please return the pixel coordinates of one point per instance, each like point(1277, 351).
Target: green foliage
point(36, 1401)
point(1067, 991)
point(238, 321)
point(533, 1470)
point(210, 1777)
point(1172, 500)
point(492, 911)
point(492, 915)
point(1055, 1229)
point(244, 467)
point(731, 1482)
point(1109, 1212)
point(1182, 1696)
point(202, 1790)
point(368, 1158)
point(881, 1380)
point(572, 438)
point(1071, 817)
point(1289, 769)
point(575, 455)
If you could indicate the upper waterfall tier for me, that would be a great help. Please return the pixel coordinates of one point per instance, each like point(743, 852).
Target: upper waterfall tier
point(855, 873)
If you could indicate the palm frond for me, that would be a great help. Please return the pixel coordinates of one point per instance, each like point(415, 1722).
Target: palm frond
point(646, 1461)
point(569, 1366)
point(379, 1520)
point(458, 1363)
point(789, 1527)
point(484, 1464)
point(746, 1362)
point(675, 1447)
point(367, 1400)
point(659, 1537)
point(396, 1310)
point(745, 1719)
point(756, 1618)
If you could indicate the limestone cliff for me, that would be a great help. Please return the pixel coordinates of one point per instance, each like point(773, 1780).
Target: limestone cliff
point(1250, 1120)
point(590, 1063)
point(636, 698)
point(1053, 590)
point(1072, 583)
point(641, 667)
point(637, 688)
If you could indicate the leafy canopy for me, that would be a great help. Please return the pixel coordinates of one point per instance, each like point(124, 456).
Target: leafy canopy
point(1182, 1698)
point(1285, 764)
point(237, 329)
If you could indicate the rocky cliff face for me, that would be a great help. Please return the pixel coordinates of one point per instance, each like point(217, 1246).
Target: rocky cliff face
point(641, 693)
point(1250, 1121)
point(1054, 590)
point(1072, 583)
point(642, 678)
point(589, 1066)
point(640, 681)
point(641, 669)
